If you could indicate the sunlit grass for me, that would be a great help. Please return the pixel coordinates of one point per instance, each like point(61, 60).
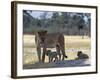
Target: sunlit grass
point(72, 45)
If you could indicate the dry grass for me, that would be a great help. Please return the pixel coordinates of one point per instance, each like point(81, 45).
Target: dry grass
point(72, 45)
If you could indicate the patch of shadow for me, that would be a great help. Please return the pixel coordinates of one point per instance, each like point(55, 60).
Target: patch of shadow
point(57, 64)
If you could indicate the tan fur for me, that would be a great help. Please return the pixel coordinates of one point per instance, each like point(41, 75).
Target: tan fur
point(49, 40)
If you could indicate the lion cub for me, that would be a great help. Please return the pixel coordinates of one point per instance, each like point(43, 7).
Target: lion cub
point(81, 55)
point(53, 56)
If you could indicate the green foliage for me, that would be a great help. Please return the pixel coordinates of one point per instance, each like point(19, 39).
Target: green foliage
point(69, 23)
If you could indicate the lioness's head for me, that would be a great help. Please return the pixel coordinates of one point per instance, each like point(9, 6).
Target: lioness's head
point(42, 35)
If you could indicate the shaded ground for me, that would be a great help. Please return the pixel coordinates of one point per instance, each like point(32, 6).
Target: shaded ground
point(66, 63)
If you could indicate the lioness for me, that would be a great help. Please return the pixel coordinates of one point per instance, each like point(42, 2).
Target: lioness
point(49, 40)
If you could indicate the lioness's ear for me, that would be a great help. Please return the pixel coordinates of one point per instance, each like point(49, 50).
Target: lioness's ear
point(45, 31)
point(38, 32)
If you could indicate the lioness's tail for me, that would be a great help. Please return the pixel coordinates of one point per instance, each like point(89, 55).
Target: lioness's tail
point(66, 56)
point(62, 45)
